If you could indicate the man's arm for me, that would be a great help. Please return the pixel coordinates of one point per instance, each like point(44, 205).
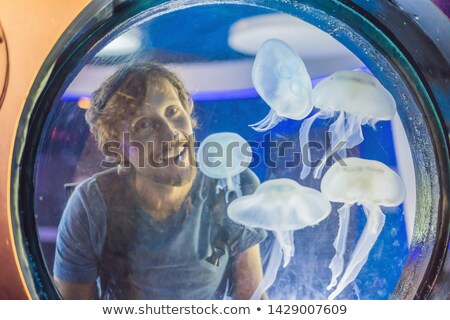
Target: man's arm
point(76, 290)
point(78, 245)
point(248, 273)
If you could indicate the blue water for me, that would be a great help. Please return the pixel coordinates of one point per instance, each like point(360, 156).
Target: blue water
point(205, 39)
point(308, 275)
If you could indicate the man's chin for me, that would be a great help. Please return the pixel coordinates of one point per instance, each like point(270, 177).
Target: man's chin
point(178, 178)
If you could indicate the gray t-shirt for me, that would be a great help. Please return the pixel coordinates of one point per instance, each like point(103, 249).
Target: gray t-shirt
point(164, 260)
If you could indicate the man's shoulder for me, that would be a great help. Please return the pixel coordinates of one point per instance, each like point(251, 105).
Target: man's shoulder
point(88, 202)
point(103, 180)
point(92, 190)
point(107, 175)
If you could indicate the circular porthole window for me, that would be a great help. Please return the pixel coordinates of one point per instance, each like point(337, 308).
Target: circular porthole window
point(95, 207)
point(3, 65)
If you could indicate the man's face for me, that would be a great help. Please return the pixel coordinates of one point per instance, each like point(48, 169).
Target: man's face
point(160, 144)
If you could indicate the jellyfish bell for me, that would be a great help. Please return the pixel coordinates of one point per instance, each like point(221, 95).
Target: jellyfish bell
point(359, 180)
point(281, 79)
point(356, 92)
point(358, 98)
point(280, 206)
point(224, 156)
point(221, 155)
point(371, 184)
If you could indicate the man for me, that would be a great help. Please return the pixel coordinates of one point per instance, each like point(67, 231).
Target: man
point(154, 228)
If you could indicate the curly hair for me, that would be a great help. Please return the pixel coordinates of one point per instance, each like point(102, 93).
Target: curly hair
point(120, 96)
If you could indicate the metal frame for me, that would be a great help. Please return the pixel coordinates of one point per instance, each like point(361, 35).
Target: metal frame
point(425, 68)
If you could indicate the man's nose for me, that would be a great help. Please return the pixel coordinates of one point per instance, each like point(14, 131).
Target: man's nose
point(167, 131)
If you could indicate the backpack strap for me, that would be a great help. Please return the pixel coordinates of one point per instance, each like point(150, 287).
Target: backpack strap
point(216, 205)
point(222, 241)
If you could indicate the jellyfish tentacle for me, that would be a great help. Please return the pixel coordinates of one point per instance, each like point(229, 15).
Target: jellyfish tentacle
point(346, 129)
point(264, 122)
point(337, 130)
point(353, 136)
point(221, 185)
point(304, 139)
point(203, 193)
point(344, 137)
point(372, 230)
point(371, 122)
point(337, 263)
point(286, 241)
point(354, 131)
point(343, 154)
point(270, 121)
point(271, 271)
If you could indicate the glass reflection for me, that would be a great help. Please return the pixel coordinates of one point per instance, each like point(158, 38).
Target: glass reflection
point(168, 235)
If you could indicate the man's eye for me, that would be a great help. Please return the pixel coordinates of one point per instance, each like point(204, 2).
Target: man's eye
point(143, 124)
point(172, 110)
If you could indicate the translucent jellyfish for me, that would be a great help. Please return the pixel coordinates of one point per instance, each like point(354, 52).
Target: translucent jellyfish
point(224, 156)
point(357, 98)
point(368, 183)
point(280, 206)
point(281, 79)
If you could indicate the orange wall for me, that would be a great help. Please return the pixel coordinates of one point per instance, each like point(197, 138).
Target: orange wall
point(31, 29)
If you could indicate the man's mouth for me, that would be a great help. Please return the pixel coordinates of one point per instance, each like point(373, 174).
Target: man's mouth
point(177, 154)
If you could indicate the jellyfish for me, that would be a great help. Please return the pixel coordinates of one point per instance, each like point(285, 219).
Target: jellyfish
point(357, 98)
point(224, 156)
point(281, 79)
point(280, 206)
point(368, 183)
